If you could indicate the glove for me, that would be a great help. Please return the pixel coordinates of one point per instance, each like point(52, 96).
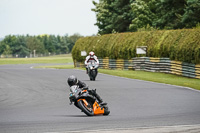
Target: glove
point(71, 97)
point(70, 102)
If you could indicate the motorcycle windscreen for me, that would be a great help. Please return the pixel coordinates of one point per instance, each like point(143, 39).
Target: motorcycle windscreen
point(74, 88)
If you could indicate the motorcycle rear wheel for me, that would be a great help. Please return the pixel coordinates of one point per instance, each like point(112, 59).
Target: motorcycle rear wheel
point(106, 110)
point(87, 110)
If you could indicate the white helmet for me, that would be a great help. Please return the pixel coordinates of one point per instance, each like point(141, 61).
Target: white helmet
point(91, 54)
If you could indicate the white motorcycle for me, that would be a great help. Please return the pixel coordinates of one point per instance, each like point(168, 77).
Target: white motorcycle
point(92, 70)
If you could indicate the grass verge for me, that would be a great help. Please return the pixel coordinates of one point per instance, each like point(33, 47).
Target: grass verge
point(50, 59)
point(155, 77)
point(147, 76)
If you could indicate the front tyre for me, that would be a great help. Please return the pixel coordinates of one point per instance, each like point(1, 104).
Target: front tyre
point(87, 110)
point(93, 75)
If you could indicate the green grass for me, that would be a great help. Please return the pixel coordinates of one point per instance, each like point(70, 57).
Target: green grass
point(155, 77)
point(51, 59)
point(147, 76)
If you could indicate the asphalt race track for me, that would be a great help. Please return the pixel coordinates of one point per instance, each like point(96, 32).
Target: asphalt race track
point(36, 100)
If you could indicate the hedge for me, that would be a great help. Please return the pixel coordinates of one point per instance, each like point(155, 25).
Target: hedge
point(180, 45)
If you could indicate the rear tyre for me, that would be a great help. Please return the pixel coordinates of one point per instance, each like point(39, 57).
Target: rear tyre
point(106, 110)
point(87, 110)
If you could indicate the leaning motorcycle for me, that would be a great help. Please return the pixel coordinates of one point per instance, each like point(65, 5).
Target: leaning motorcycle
point(92, 70)
point(86, 102)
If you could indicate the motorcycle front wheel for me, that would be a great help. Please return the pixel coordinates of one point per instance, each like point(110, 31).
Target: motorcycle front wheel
point(93, 75)
point(86, 109)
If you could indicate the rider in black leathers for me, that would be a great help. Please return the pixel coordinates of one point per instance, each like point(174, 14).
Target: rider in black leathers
point(72, 80)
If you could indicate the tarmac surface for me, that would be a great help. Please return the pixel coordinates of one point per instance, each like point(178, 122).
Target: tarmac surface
point(36, 100)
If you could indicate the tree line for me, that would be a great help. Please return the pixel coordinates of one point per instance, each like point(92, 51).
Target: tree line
point(116, 16)
point(22, 46)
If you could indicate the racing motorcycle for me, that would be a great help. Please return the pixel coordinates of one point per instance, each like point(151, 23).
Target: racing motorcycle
point(86, 102)
point(92, 70)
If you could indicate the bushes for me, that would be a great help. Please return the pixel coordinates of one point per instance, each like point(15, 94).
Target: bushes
point(180, 45)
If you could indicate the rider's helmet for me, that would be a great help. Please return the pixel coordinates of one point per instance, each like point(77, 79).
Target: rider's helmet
point(91, 54)
point(72, 80)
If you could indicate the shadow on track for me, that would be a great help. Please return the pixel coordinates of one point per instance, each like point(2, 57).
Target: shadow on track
point(70, 115)
point(77, 116)
point(92, 81)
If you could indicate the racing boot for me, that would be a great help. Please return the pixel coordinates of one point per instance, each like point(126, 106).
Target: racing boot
point(100, 100)
point(86, 70)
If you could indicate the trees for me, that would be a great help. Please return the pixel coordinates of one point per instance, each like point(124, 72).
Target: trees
point(64, 45)
point(43, 44)
point(144, 14)
point(191, 16)
point(169, 14)
point(7, 51)
point(103, 15)
point(131, 15)
point(7, 45)
point(33, 43)
point(72, 40)
point(113, 15)
point(21, 51)
point(20, 48)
